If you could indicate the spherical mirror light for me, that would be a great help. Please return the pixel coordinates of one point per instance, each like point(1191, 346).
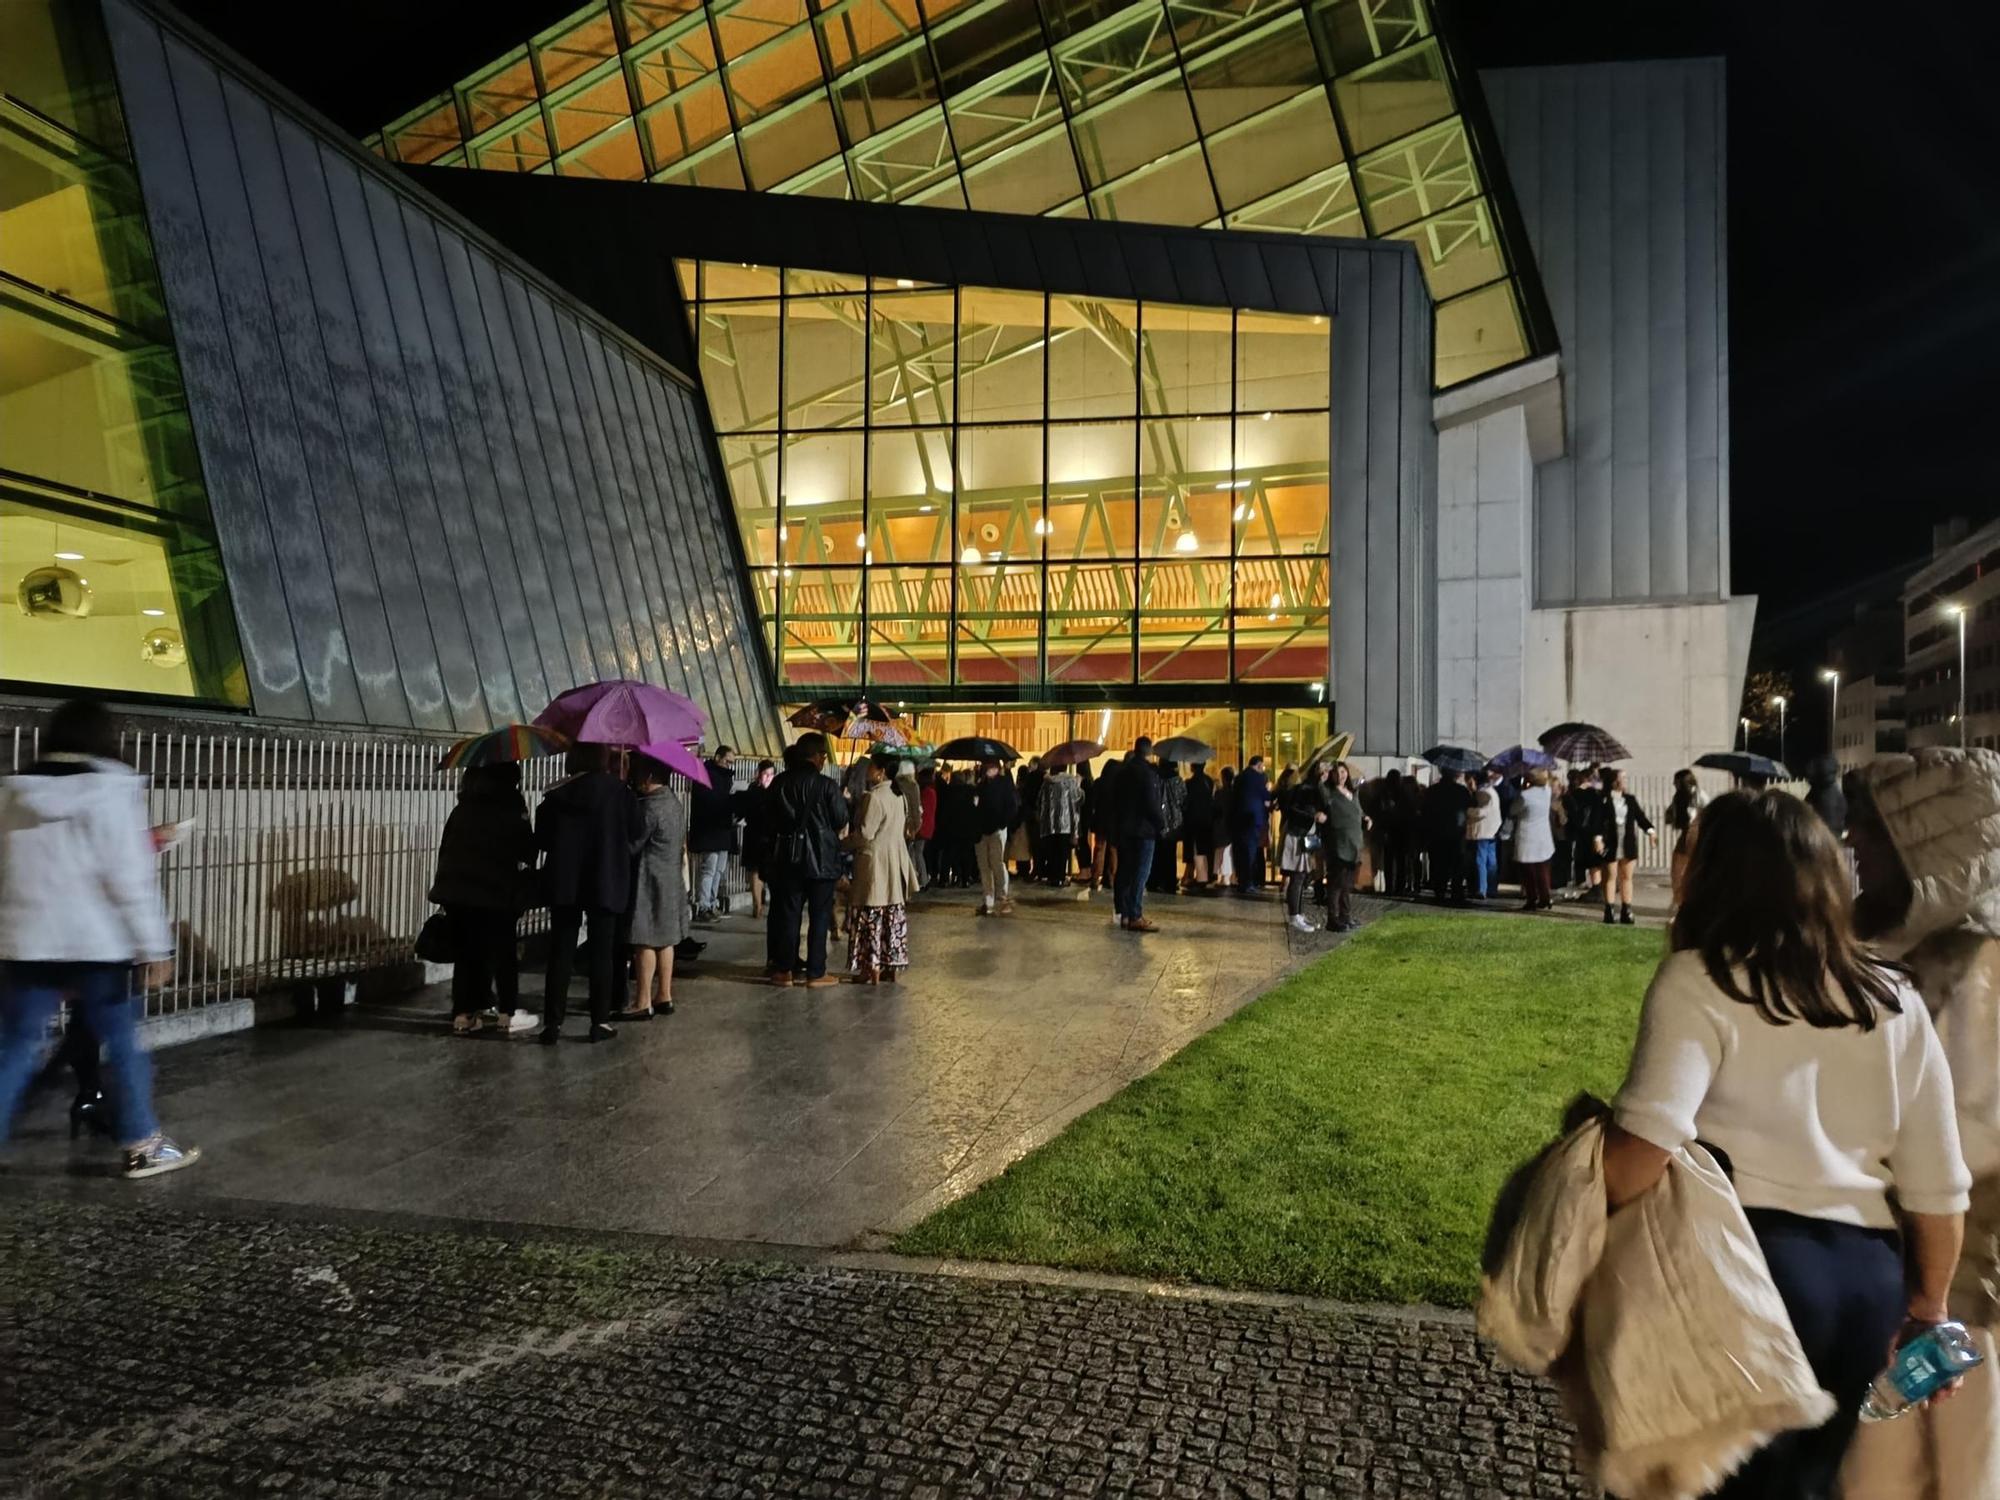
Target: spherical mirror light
point(164, 648)
point(52, 593)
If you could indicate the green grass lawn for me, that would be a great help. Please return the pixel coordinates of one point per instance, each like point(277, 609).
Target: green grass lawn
point(1345, 1134)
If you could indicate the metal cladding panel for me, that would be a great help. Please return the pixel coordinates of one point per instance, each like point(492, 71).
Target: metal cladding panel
point(1416, 529)
point(208, 370)
point(295, 322)
point(1387, 608)
point(443, 490)
point(283, 476)
point(1243, 273)
point(1348, 375)
point(1619, 175)
point(1293, 284)
point(338, 334)
point(969, 251)
point(1149, 258)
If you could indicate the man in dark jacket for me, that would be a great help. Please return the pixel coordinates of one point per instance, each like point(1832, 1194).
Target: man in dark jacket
point(1142, 821)
point(711, 831)
point(807, 813)
point(1253, 816)
point(995, 807)
point(1446, 806)
point(588, 827)
point(1198, 826)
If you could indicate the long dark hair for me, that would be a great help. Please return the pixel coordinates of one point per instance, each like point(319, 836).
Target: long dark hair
point(1767, 894)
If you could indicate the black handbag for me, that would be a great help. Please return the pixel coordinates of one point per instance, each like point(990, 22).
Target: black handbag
point(434, 944)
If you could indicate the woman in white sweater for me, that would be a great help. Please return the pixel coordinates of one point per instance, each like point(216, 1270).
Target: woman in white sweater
point(1775, 1037)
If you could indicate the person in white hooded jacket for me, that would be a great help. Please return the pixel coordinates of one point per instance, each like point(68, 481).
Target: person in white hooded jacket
point(80, 910)
point(1925, 831)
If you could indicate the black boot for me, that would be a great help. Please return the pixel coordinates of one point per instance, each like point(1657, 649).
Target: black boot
point(1610, 916)
point(87, 1112)
point(1624, 916)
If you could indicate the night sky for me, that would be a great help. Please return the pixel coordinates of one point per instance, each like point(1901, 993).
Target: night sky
point(1864, 233)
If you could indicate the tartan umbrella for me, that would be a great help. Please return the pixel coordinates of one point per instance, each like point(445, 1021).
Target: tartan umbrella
point(872, 730)
point(1331, 751)
point(1582, 745)
point(510, 742)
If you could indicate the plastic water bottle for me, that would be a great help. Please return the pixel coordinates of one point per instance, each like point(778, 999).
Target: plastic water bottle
point(1920, 1369)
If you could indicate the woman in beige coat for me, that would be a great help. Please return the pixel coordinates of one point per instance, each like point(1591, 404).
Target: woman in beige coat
point(884, 879)
point(1925, 829)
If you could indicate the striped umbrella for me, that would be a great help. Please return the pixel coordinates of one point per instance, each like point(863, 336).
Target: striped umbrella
point(510, 742)
point(1583, 745)
point(874, 731)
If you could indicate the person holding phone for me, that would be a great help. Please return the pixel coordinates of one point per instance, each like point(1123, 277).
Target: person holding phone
point(80, 918)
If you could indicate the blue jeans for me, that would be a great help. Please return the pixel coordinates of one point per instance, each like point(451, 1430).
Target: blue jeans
point(714, 865)
point(1135, 865)
point(1485, 869)
point(30, 996)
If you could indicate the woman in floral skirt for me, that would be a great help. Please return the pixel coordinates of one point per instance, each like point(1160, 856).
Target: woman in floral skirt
point(884, 879)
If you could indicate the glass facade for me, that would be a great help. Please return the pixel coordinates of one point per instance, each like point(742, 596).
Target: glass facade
point(1334, 117)
point(106, 551)
point(1011, 494)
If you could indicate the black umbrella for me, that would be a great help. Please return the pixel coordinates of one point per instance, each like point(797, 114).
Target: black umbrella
point(1185, 749)
point(976, 747)
point(1583, 745)
point(1455, 760)
point(1741, 763)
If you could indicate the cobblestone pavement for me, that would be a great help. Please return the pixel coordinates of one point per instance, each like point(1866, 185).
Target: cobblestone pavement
point(174, 1350)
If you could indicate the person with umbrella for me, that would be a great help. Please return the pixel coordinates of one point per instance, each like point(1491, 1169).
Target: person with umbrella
point(659, 919)
point(1446, 807)
point(1253, 817)
point(1620, 822)
point(884, 880)
point(808, 815)
point(995, 804)
point(711, 832)
point(588, 827)
point(1058, 814)
point(1535, 842)
point(1142, 818)
point(487, 848)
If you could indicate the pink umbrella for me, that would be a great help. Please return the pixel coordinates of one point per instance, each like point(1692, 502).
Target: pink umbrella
point(624, 713)
point(677, 757)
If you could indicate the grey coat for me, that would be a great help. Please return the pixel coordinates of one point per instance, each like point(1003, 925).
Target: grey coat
point(659, 891)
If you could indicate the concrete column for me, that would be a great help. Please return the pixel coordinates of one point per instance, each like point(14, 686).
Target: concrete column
point(1485, 496)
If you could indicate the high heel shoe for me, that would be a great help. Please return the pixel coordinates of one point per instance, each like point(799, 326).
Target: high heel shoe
point(87, 1111)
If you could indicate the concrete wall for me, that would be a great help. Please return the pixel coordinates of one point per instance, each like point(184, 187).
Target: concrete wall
point(444, 492)
point(1618, 169)
point(1485, 479)
point(1665, 678)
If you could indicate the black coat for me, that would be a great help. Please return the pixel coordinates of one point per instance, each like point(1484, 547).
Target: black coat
point(1445, 807)
point(1103, 809)
point(488, 843)
point(711, 819)
point(1604, 825)
point(751, 806)
point(1142, 801)
point(997, 805)
point(1253, 803)
point(806, 812)
point(1198, 811)
point(589, 828)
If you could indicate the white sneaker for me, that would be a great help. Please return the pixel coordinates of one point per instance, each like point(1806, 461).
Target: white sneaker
point(518, 1022)
point(1302, 924)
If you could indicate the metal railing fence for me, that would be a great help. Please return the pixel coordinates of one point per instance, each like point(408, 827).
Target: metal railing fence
point(307, 859)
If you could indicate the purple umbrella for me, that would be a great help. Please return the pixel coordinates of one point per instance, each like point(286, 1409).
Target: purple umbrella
point(1521, 758)
point(625, 713)
point(677, 757)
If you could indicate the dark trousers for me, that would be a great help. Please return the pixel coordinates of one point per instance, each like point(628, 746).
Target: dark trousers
point(1340, 890)
point(599, 956)
point(1163, 879)
point(484, 959)
point(794, 898)
point(1055, 849)
point(1449, 858)
point(1249, 856)
point(1128, 891)
point(1562, 869)
point(1843, 1287)
point(1535, 887)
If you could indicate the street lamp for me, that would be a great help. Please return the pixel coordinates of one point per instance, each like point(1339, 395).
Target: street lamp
point(1828, 674)
point(1778, 702)
point(1959, 611)
point(1743, 734)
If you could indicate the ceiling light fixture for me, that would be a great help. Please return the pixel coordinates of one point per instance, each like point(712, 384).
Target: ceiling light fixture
point(69, 557)
point(1186, 542)
point(157, 614)
point(904, 282)
point(969, 556)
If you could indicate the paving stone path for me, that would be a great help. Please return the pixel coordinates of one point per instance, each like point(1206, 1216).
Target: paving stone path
point(176, 1349)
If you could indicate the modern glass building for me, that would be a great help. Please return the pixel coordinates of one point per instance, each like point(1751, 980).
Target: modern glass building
point(1243, 367)
point(1326, 117)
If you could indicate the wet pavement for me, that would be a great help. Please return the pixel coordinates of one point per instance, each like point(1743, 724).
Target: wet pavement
point(814, 1117)
point(176, 1350)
